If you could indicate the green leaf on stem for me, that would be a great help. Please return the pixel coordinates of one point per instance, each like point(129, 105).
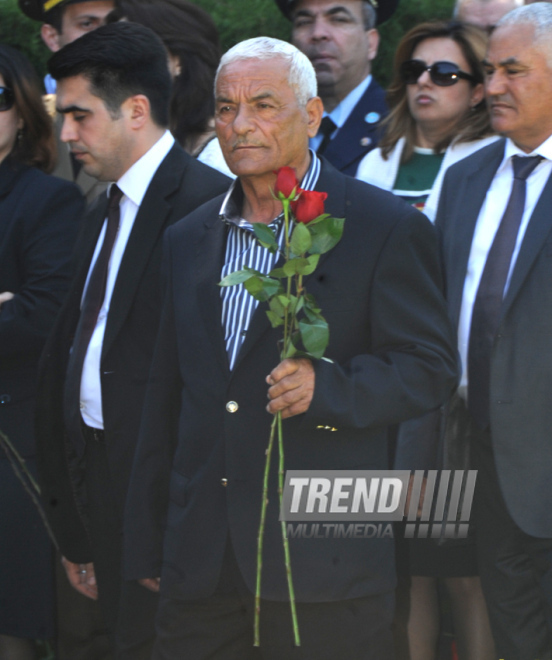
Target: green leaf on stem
point(277, 272)
point(300, 239)
point(311, 304)
point(289, 352)
point(315, 336)
point(237, 277)
point(276, 306)
point(262, 288)
point(325, 233)
point(300, 266)
point(284, 300)
point(265, 236)
point(274, 318)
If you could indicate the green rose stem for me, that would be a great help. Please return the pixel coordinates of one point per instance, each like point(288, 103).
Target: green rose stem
point(277, 421)
point(27, 480)
point(287, 559)
point(257, 640)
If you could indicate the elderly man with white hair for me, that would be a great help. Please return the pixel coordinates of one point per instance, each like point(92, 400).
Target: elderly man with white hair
point(484, 14)
point(496, 221)
point(194, 504)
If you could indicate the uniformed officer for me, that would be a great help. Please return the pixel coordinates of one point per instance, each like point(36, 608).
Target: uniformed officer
point(340, 39)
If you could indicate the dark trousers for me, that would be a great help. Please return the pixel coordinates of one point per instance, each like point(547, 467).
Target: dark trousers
point(221, 627)
point(515, 568)
point(128, 608)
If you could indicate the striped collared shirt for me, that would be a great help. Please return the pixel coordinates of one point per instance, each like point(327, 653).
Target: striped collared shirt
point(243, 249)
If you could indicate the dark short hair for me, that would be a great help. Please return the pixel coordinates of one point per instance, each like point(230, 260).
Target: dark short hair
point(120, 60)
point(35, 144)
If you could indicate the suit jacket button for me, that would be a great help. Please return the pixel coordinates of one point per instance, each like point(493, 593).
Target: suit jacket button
point(224, 482)
point(232, 406)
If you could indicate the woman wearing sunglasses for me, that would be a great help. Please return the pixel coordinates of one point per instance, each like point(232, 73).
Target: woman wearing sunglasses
point(39, 217)
point(438, 115)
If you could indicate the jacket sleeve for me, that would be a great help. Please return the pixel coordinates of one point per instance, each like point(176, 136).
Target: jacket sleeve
point(46, 239)
point(411, 365)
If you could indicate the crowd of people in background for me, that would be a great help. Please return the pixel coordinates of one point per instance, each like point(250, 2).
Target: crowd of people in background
point(135, 388)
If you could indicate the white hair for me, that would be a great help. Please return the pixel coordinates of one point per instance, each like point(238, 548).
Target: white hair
point(460, 3)
point(539, 16)
point(301, 76)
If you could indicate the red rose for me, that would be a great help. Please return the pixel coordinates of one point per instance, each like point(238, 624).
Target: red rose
point(286, 182)
point(309, 205)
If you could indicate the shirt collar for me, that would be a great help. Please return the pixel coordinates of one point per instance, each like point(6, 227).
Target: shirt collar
point(544, 150)
point(136, 180)
point(231, 209)
point(342, 110)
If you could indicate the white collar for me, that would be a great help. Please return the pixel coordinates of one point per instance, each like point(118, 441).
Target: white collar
point(135, 181)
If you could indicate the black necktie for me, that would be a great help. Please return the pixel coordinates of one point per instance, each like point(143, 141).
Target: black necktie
point(326, 128)
point(488, 302)
point(92, 303)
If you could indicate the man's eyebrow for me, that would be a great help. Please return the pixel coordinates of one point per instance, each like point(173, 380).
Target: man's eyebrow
point(263, 95)
point(332, 11)
point(507, 62)
point(71, 108)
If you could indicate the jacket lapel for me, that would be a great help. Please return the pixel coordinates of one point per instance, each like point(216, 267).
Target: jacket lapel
point(536, 234)
point(209, 254)
point(358, 136)
point(150, 222)
point(471, 197)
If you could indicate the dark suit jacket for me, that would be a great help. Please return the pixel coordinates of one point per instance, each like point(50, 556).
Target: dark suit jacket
point(357, 136)
point(393, 353)
point(179, 186)
point(521, 363)
point(39, 222)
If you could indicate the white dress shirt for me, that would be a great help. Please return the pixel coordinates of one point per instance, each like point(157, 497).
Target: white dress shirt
point(133, 184)
point(342, 110)
point(489, 218)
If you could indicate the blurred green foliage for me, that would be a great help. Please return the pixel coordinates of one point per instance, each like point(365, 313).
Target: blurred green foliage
point(238, 20)
point(21, 32)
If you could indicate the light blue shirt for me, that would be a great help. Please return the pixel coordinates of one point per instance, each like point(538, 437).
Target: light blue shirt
point(50, 84)
point(341, 112)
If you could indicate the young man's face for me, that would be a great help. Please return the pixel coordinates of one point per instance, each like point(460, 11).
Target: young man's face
point(78, 19)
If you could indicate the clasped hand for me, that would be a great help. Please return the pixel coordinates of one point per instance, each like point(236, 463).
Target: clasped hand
point(291, 387)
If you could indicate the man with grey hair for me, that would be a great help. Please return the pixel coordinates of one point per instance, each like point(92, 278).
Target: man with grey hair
point(484, 13)
point(496, 222)
point(194, 503)
point(340, 39)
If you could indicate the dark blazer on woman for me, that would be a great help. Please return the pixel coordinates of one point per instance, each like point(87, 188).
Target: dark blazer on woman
point(39, 220)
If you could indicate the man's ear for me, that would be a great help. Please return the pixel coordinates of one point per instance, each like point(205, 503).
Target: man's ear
point(138, 110)
point(314, 110)
point(373, 43)
point(50, 36)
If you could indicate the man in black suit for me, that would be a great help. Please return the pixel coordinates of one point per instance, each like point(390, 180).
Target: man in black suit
point(340, 39)
point(498, 242)
point(193, 507)
point(113, 91)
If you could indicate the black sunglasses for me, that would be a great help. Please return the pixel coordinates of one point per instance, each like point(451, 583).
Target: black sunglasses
point(443, 74)
point(6, 99)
